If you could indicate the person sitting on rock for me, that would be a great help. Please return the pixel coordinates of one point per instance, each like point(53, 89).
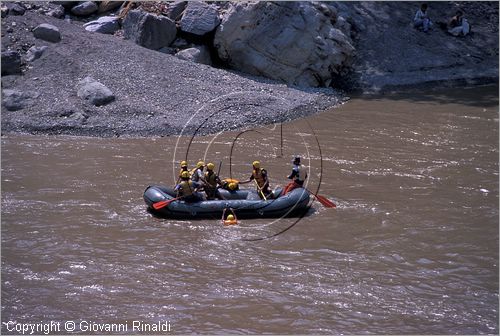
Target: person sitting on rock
point(421, 19)
point(458, 25)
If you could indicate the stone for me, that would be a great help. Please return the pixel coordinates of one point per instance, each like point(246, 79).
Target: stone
point(85, 8)
point(199, 18)
point(47, 32)
point(104, 25)
point(15, 8)
point(94, 92)
point(14, 100)
point(198, 54)
point(106, 6)
point(149, 30)
point(57, 12)
point(175, 9)
point(11, 63)
point(34, 53)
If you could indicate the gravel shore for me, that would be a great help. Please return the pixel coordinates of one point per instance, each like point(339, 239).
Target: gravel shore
point(156, 94)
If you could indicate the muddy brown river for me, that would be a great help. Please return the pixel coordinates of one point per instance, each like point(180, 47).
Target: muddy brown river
point(411, 248)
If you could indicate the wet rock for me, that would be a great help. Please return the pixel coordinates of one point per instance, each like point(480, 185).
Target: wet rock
point(104, 25)
point(94, 92)
point(14, 100)
point(198, 54)
point(35, 53)
point(149, 30)
point(199, 18)
point(47, 32)
point(85, 8)
point(291, 41)
point(11, 63)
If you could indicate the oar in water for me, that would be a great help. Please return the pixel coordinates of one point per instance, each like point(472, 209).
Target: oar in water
point(162, 204)
point(323, 200)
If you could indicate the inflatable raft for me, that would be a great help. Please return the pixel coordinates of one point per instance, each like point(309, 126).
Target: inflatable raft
point(245, 203)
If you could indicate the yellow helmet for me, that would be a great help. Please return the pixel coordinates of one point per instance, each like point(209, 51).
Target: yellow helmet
point(185, 175)
point(256, 164)
point(200, 164)
point(184, 164)
point(210, 166)
point(232, 185)
point(230, 217)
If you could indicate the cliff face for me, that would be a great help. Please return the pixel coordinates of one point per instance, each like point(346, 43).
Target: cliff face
point(64, 74)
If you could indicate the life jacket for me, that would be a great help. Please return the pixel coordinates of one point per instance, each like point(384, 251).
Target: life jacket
point(301, 173)
point(187, 188)
point(227, 181)
point(211, 179)
point(259, 177)
point(230, 222)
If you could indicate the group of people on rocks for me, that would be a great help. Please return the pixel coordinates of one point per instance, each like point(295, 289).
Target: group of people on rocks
point(456, 26)
point(196, 179)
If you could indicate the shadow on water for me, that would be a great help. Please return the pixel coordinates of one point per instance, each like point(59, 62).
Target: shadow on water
point(441, 95)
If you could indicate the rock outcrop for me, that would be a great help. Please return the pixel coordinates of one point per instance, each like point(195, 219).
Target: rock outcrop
point(294, 42)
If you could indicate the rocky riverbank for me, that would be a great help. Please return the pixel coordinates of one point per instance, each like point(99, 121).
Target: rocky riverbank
point(158, 69)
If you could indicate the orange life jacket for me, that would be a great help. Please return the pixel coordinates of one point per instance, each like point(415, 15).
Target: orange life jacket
point(230, 222)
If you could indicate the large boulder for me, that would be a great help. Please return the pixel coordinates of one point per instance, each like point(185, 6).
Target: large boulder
point(94, 92)
point(47, 32)
point(294, 42)
point(199, 18)
point(198, 54)
point(149, 30)
point(104, 25)
point(11, 63)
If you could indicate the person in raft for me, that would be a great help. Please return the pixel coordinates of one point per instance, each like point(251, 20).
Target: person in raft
point(230, 219)
point(187, 189)
point(259, 175)
point(197, 173)
point(298, 176)
point(211, 182)
point(184, 167)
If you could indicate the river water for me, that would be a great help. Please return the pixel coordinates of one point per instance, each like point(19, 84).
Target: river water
point(411, 248)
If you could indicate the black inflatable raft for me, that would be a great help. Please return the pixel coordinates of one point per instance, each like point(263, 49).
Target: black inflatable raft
point(246, 204)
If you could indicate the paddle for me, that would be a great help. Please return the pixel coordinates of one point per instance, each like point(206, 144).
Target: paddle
point(323, 200)
point(260, 190)
point(162, 204)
